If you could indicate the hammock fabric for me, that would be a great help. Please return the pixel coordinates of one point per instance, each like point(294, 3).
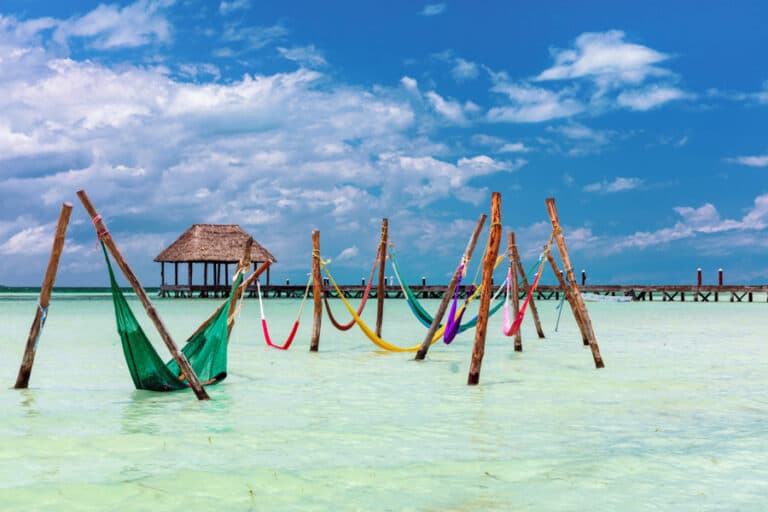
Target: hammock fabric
point(511, 330)
point(295, 328)
point(348, 326)
point(369, 333)
point(423, 316)
point(206, 350)
point(454, 321)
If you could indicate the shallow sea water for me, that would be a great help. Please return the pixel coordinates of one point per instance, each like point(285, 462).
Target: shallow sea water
point(676, 420)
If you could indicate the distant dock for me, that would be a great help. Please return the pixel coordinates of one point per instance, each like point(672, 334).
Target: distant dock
point(662, 293)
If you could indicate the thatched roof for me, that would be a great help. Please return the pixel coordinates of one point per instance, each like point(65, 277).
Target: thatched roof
point(223, 243)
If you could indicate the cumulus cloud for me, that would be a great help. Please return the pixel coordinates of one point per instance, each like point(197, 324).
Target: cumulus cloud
point(649, 97)
point(348, 253)
point(531, 104)
point(228, 7)
point(109, 26)
point(464, 70)
point(433, 9)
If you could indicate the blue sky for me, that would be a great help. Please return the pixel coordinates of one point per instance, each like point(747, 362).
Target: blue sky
point(647, 122)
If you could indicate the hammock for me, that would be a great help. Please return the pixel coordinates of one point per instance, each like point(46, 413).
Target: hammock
point(295, 328)
point(511, 329)
point(454, 320)
point(348, 326)
point(206, 350)
point(422, 315)
point(369, 333)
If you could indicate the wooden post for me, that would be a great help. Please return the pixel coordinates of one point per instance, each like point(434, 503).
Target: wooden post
point(583, 278)
point(162, 273)
point(577, 298)
point(245, 262)
point(380, 290)
point(511, 251)
point(189, 272)
point(317, 291)
point(449, 291)
point(568, 297)
point(492, 250)
point(527, 287)
point(719, 277)
point(22, 379)
point(698, 276)
point(176, 273)
point(181, 360)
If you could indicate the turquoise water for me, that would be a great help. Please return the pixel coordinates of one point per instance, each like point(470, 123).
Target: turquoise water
point(676, 420)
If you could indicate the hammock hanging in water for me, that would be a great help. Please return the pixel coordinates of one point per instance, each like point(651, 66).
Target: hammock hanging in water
point(511, 329)
point(348, 325)
point(206, 350)
point(422, 315)
point(295, 328)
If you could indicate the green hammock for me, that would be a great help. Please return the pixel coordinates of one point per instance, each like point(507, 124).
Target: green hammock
point(206, 350)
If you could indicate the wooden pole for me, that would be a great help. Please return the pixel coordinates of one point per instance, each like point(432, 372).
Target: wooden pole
point(511, 250)
point(526, 287)
point(245, 263)
point(22, 380)
point(181, 360)
point(380, 290)
point(317, 291)
point(577, 298)
point(449, 291)
point(568, 297)
point(492, 250)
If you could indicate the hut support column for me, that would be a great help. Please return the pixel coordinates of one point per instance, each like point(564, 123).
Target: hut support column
point(25, 371)
point(568, 297)
point(317, 291)
point(577, 298)
point(189, 271)
point(448, 295)
point(492, 250)
point(380, 290)
point(515, 290)
point(526, 288)
point(178, 356)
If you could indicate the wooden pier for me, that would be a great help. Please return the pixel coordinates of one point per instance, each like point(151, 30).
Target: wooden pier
point(662, 293)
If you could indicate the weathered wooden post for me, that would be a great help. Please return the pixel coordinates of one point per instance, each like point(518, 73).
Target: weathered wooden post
point(527, 286)
point(381, 290)
point(583, 278)
point(568, 297)
point(449, 291)
point(317, 292)
point(577, 298)
point(22, 379)
point(719, 277)
point(492, 250)
point(698, 276)
point(515, 290)
point(106, 238)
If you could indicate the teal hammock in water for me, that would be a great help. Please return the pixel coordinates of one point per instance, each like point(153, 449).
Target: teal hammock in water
point(418, 310)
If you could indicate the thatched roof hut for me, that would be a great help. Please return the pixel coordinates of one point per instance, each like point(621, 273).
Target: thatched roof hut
point(214, 243)
point(217, 244)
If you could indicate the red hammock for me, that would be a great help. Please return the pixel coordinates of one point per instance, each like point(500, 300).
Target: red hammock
point(295, 328)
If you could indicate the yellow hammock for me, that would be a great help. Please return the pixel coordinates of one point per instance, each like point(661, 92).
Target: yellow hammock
point(371, 335)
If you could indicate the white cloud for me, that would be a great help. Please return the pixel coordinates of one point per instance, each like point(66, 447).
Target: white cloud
point(750, 161)
point(649, 97)
point(348, 253)
point(433, 9)
point(449, 109)
point(228, 7)
point(109, 26)
point(606, 55)
point(307, 56)
point(410, 83)
point(617, 185)
point(532, 104)
point(464, 70)
point(515, 147)
point(250, 37)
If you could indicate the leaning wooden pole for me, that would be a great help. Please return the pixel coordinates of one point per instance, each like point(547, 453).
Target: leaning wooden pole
point(492, 250)
point(526, 288)
point(449, 291)
point(317, 292)
point(244, 265)
point(22, 380)
point(571, 276)
point(568, 297)
point(515, 289)
point(106, 238)
point(381, 290)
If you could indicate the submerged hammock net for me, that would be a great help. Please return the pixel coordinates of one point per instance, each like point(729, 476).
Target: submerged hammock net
point(206, 350)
